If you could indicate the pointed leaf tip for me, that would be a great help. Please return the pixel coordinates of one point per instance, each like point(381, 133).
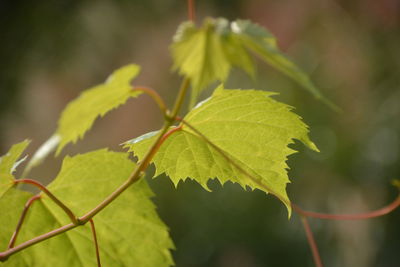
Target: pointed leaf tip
point(79, 115)
point(206, 54)
point(250, 129)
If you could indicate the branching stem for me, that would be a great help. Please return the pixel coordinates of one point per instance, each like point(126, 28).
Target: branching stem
point(50, 195)
point(360, 216)
point(6, 254)
point(154, 95)
point(311, 242)
point(28, 204)
point(137, 173)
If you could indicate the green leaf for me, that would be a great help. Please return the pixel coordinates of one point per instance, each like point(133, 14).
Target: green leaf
point(8, 163)
point(263, 44)
point(79, 116)
point(206, 54)
point(252, 129)
point(129, 231)
point(199, 55)
point(11, 205)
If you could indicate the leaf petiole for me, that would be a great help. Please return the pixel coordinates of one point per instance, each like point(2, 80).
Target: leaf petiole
point(21, 220)
point(95, 242)
point(155, 96)
point(69, 212)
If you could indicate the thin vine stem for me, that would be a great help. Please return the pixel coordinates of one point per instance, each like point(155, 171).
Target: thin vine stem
point(137, 173)
point(304, 214)
point(359, 216)
point(154, 95)
point(191, 10)
point(143, 164)
point(311, 242)
point(96, 245)
point(37, 184)
point(21, 220)
point(6, 254)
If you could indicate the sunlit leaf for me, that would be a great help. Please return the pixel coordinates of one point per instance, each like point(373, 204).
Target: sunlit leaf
point(79, 116)
point(129, 230)
point(207, 53)
point(199, 54)
point(8, 163)
point(253, 129)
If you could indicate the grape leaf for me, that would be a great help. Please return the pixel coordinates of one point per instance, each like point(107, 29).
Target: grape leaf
point(8, 163)
point(206, 54)
point(79, 116)
point(11, 205)
point(252, 129)
point(261, 42)
point(198, 54)
point(128, 230)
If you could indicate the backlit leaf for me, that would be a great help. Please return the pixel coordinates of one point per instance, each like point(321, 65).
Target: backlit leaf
point(206, 54)
point(129, 231)
point(8, 163)
point(253, 129)
point(199, 54)
point(79, 116)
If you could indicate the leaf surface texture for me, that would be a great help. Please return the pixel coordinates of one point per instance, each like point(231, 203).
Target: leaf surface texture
point(250, 127)
point(129, 230)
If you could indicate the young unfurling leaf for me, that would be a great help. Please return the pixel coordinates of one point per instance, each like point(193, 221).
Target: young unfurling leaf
point(206, 54)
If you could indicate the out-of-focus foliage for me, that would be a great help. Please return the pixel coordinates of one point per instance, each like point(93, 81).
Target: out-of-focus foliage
point(206, 54)
point(52, 50)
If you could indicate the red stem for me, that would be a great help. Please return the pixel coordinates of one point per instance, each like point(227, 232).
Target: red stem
point(6, 254)
point(21, 220)
point(154, 95)
point(95, 242)
point(157, 147)
point(311, 242)
point(135, 175)
point(360, 216)
point(191, 10)
point(51, 196)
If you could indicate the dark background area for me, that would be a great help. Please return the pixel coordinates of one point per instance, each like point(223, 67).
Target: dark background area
point(51, 50)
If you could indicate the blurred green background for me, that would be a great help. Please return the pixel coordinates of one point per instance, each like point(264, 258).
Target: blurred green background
point(51, 50)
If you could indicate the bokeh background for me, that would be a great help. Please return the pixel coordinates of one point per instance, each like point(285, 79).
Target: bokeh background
point(51, 50)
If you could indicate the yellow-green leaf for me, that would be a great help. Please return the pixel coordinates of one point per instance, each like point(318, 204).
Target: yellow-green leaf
point(199, 54)
point(8, 163)
point(250, 127)
point(79, 116)
point(129, 231)
point(206, 54)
